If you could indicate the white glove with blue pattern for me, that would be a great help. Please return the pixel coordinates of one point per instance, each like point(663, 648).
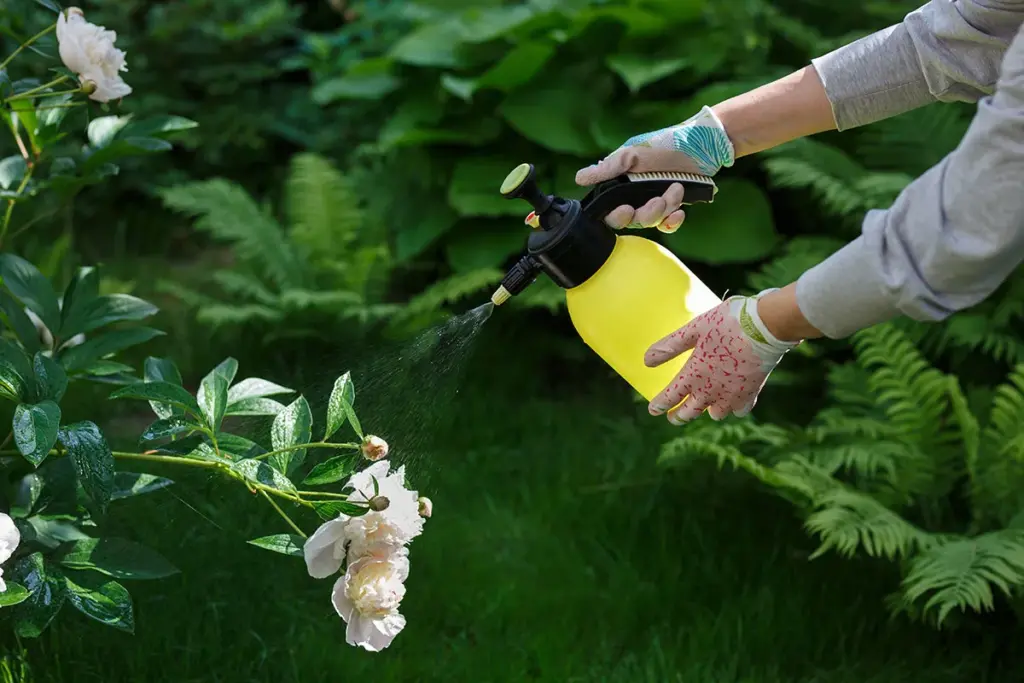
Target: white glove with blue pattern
point(698, 145)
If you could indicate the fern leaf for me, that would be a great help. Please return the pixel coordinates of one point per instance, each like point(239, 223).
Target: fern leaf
point(543, 293)
point(323, 208)
point(915, 141)
point(449, 291)
point(799, 255)
point(961, 573)
point(228, 315)
point(245, 286)
point(298, 300)
point(190, 297)
point(227, 212)
point(847, 520)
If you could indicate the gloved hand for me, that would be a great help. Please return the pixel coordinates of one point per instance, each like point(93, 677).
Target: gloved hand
point(733, 354)
point(697, 145)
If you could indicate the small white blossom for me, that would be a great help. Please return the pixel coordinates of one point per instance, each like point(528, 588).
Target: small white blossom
point(88, 50)
point(375, 448)
point(10, 537)
point(324, 551)
point(367, 597)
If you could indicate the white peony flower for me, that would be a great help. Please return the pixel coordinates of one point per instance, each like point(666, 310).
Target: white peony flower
point(395, 525)
point(89, 51)
point(324, 551)
point(367, 597)
point(9, 540)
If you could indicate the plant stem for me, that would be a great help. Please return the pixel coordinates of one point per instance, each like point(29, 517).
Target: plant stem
point(321, 444)
point(10, 204)
point(28, 42)
point(38, 89)
point(325, 494)
point(281, 512)
point(170, 459)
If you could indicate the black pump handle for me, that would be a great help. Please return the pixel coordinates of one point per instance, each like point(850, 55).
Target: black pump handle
point(637, 189)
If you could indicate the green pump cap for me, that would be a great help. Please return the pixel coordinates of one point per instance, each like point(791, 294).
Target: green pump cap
point(517, 177)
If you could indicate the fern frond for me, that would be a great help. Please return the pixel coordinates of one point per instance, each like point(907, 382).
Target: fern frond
point(915, 141)
point(681, 451)
point(740, 433)
point(323, 208)
point(186, 295)
point(245, 286)
point(227, 212)
point(299, 300)
point(1006, 421)
point(914, 394)
point(229, 315)
point(847, 520)
point(960, 574)
point(543, 293)
point(799, 255)
point(449, 291)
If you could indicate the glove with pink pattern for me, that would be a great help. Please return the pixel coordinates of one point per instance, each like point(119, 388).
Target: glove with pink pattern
point(733, 354)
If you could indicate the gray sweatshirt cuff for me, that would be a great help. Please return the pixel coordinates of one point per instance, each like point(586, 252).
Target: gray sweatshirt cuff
point(844, 293)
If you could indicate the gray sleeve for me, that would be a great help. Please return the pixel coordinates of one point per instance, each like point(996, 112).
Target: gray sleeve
point(948, 50)
point(951, 237)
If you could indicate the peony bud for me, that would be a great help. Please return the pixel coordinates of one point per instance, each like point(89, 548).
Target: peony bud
point(88, 87)
point(375, 448)
point(426, 506)
point(379, 503)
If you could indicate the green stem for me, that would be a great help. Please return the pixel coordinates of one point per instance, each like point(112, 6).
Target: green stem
point(39, 89)
point(28, 42)
point(10, 204)
point(281, 512)
point(325, 494)
point(298, 447)
point(169, 459)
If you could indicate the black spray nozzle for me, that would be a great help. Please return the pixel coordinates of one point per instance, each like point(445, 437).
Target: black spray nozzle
point(518, 278)
point(521, 184)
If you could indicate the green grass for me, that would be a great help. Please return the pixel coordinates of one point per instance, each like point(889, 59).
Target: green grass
point(557, 552)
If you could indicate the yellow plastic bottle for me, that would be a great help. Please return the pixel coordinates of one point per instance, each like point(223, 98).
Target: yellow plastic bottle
point(623, 292)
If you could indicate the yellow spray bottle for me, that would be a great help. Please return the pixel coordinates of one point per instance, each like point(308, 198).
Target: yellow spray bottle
point(623, 292)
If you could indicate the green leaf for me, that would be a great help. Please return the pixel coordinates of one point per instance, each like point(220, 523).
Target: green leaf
point(15, 371)
point(106, 368)
point(485, 247)
point(102, 130)
point(528, 110)
point(239, 446)
point(52, 532)
point(431, 44)
point(255, 406)
point(161, 392)
point(104, 600)
point(474, 188)
point(156, 127)
point(259, 472)
point(49, 4)
point(162, 370)
point(12, 170)
point(79, 294)
point(333, 469)
point(254, 387)
point(205, 451)
point(341, 406)
point(331, 509)
point(639, 70)
point(292, 426)
point(51, 380)
point(35, 429)
point(105, 310)
point(213, 392)
point(119, 558)
point(15, 594)
point(26, 495)
point(32, 288)
point(80, 357)
point(737, 228)
point(19, 322)
point(517, 68)
point(129, 484)
point(167, 427)
point(46, 595)
point(483, 24)
point(368, 85)
point(93, 461)
point(414, 237)
point(286, 544)
point(122, 149)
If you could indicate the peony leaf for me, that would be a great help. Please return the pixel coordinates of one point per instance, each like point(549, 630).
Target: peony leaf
point(286, 544)
point(35, 429)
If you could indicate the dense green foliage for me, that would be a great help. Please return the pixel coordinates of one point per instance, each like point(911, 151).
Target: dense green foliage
point(333, 181)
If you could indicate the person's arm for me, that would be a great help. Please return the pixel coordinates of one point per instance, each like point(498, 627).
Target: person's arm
point(948, 50)
point(950, 239)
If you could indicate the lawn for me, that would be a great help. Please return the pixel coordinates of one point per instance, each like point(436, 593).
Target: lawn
point(557, 552)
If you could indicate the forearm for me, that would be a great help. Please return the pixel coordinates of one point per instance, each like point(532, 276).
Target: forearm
point(792, 107)
point(781, 314)
point(950, 239)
